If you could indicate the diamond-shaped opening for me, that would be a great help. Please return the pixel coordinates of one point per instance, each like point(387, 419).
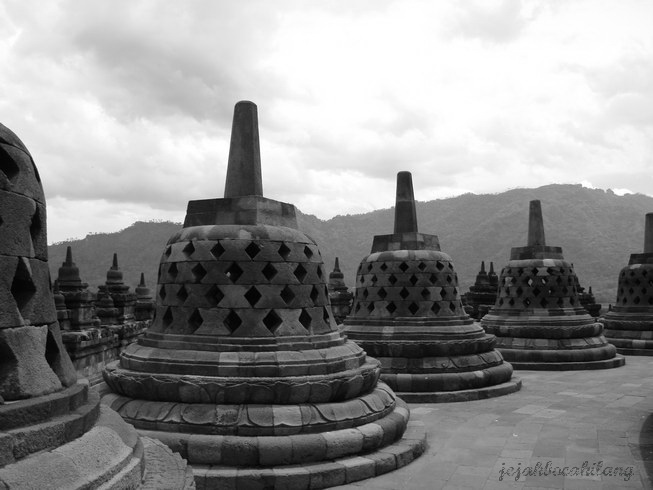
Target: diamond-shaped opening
point(644, 291)
point(233, 272)
point(35, 227)
point(637, 282)
point(300, 272)
point(449, 279)
point(269, 271)
point(559, 280)
point(435, 308)
point(315, 294)
point(362, 279)
point(319, 271)
point(443, 293)
point(369, 266)
point(527, 302)
point(370, 307)
point(644, 273)
point(305, 319)
point(433, 278)
point(544, 303)
point(624, 301)
point(287, 295)
point(536, 291)
point(391, 307)
point(426, 294)
point(22, 286)
point(636, 300)
point(232, 321)
point(421, 266)
point(413, 279)
point(413, 308)
point(188, 249)
point(199, 272)
point(513, 280)
point(214, 295)
point(167, 317)
point(272, 321)
point(519, 291)
point(308, 252)
point(450, 265)
point(374, 279)
point(252, 250)
point(500, 301)
point(382, 293)
point(217, 250)
point(168, 251)
point(253, 296)
point(7, 165)
point(403, 267)
point(632, 273)
point(325, 316)
point(565, 290)
point(631, 291)
point(511, 302)
point(439, 265)
point(404, 293)
point(383, 266)
point(365, 293)
point(392, 279)
point(173, 270)
point(195, 320)
point(358, 307)
point(284, 251)
point(452, 306)
point(162, 292)
point(182, 294)
point(572, 301)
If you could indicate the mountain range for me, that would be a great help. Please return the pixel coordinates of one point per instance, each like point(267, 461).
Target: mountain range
point(596, 229)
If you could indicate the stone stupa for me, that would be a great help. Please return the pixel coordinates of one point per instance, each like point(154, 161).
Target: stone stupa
point(53, 431)
point(408, 314)
point(629, 324)
point(244, 371)
point(538, 318)
point(482, 295)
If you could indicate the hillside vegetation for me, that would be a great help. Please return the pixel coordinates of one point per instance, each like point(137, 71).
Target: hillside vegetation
point(596, 229)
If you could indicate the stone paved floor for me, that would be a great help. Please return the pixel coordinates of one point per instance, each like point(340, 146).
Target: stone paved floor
point(565, 418)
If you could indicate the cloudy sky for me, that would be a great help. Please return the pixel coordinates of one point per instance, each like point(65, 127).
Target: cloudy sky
point(126, 105)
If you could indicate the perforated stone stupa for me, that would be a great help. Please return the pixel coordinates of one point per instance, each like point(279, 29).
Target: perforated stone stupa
point(538, 318)
point(408, 314)
point(53, 432)
point(244, 371)
point(483, 294)
point(629, 325)
point(339, 296)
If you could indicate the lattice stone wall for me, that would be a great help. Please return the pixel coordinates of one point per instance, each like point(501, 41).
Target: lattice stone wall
point(635, 286)
point(242, 287)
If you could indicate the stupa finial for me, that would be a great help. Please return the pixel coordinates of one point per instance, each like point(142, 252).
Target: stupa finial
point(244, 167)
point(648, 234)
point(535, 225)
point(482, 266)
point(405, 215)
point(114, 265)
point(492, 268)
point(69, 256)
point(336, 266)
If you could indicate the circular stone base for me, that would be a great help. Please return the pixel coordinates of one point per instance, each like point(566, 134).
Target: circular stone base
point(616, 361)
point(319, 475)
point(634, 352)
point(511, 386)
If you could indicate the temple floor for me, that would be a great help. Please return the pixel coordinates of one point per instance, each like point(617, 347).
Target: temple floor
point(573, 419)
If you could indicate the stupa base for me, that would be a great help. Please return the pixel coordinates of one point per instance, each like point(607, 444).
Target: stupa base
point(318, 475)
point(615, 362)
point(506, 388)
point(633, 347)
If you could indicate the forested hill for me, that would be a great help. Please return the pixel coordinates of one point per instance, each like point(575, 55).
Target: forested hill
point(596, 229)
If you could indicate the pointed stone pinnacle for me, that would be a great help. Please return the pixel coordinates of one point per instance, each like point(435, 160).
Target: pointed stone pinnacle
point(491, 267)
point(648, 234)
point(142, 283)
point(336, 267)
point(535, 225)
point(114, 265)
point(482, 266)
point(69, 256)
point(405, 215)
point(244, 167)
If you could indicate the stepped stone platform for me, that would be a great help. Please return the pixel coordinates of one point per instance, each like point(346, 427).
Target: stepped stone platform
point(244, 372)
point(408, 314)
point(629, 324)
point(538, 318)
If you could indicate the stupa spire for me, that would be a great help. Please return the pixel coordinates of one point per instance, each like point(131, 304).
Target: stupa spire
point(405, 215)
point(244, 165)
point(69, 256)
point(648, 234)
point(535, 225)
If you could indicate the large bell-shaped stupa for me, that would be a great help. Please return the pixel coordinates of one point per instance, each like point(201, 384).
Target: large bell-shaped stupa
point(538, 318)
point(629, 324)
point(53, 431)
point(408, 313)
point(244, 371)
